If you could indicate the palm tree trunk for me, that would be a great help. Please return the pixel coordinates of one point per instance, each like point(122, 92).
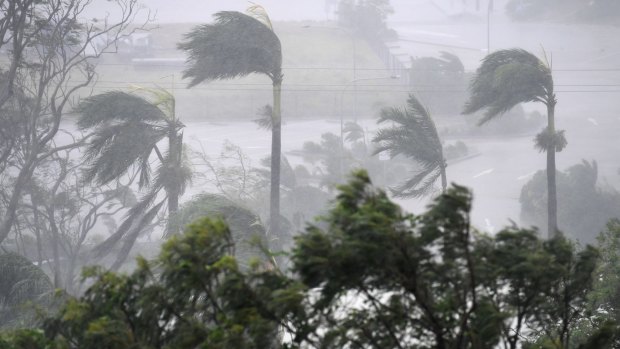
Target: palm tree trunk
point(444, 179)
point(173, 190)
point(276, 148)
point(552, 204)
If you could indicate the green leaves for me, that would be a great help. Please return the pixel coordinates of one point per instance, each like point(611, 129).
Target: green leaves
point(415, 136)
point(370, 276)
point(507, 78)
point(235, 45)
point(545, 141)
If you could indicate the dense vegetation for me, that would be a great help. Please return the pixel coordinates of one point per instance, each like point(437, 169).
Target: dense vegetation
point(373, 277)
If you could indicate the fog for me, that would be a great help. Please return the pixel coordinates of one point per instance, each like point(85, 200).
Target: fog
point(340, 72)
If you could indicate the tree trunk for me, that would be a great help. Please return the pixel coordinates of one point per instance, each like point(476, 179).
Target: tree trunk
point(552, 204)
point(276, 148)
point(444, 179)
point(173, 188)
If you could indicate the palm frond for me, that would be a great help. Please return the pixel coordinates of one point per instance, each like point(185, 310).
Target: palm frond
point(422, 183)
point(161, 98)
point(353, 131)
point(245, 225)
point(171, 175)
point(544, 141)
point(113, 150)
point(415, 136)
point(235, 45)
point(451, 62)
point(265, 120)
point(505, 79)
point(259, 12)
point(116, 105)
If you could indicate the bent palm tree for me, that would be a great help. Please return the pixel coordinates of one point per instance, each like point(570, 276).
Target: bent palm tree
point(126, 131)
point(237, 45)
point(414, 135)
point(507, 78)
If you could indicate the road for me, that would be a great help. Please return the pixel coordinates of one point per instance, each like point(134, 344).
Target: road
point(496, 175)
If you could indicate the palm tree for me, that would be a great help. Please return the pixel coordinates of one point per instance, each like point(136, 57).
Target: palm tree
point(21, 282)
point(126, 130)
point(237, 45)
point(507, 78)
point(413, 135)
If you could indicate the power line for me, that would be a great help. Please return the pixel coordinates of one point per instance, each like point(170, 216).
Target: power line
point(143, 66)
point(337, 85)
point(338, 91)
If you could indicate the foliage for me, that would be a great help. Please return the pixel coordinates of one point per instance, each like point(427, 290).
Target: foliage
point(456, 150)
point(330, 159)
point(507, 78)
point(53, 53)
point(367, 18)
point(373, 277)
point(247, 231)
point(583, 207)
point(126, 130)
point(413, 135)
point(21, 283)
point(439, 82)
point(237, 45)
point(255, 46)
point(193, 295)
point(516, 121)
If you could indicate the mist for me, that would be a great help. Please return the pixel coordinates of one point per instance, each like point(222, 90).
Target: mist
point(123, 122)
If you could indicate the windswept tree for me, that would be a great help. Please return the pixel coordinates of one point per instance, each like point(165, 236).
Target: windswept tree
point(234, 46)
point(415, 136)
point(127, 130)
point(507, 78)
point(49, 51)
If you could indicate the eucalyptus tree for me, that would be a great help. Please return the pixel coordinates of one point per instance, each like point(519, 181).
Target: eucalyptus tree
point(237, 45)
point(415, 136)
point(52, 56)
point(127, 130)
point(507, 78)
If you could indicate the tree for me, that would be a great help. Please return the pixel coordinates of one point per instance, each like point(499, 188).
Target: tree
point(126, 130)
point(238, 45)
point(371, 276)
point(247, 231)
point(62, 211)
point(584, 206)
point(414, 136)
point(507, 78)
point(440, 82)
point(21, 282)
point(193, 295)
point(55, 58)
point(366, 18)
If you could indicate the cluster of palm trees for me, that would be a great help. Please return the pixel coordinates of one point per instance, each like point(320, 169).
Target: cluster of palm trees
point(126, 127)
point(504, 79)
point(237, 45)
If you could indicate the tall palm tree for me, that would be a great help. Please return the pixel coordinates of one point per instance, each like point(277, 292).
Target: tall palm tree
point(415, 136)
point(127, 130)
point(237, 45)
point(507, 78)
